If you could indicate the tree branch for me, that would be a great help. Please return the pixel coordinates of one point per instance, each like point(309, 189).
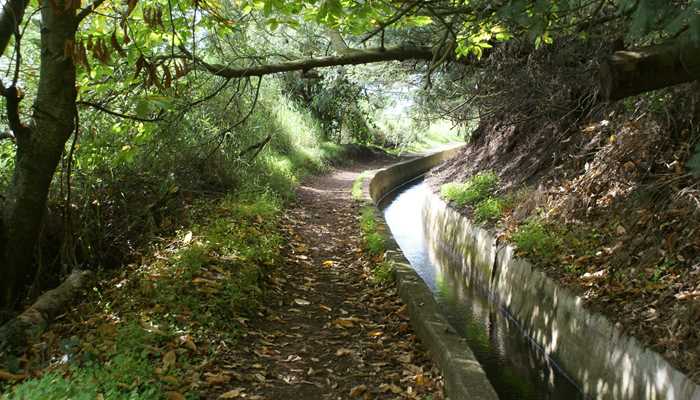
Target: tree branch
point(10, 18)
point(118, 114)
point(257, 146)
point(391, 20)
point(357, 57)
point(88, 10)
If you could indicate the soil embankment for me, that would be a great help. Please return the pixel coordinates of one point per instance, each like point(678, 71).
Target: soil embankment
point(608, 209)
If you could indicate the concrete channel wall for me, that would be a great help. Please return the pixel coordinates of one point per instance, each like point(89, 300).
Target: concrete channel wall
point(603, 361)
point(463, 375)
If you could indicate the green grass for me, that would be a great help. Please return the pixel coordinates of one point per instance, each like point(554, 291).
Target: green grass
point(477, 192)
point(411, 139)
point(383, 272)
point(374, 241)
point(538, 240)
point(357, 186)
point(478, 188)
point(488, 210)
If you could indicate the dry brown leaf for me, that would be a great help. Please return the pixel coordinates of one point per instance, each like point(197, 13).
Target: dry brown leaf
point(187, 342)
point(390, 387)
point(233, 394)
point(345, 322)
point(8, 376)
point(302, 302)
point(174, 396)
point(169, 360)
point(343, 352)
point(358, 390)
point(216, 379)
point(169, 379)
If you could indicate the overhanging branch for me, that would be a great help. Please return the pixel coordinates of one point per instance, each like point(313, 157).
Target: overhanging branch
point(354, 58)
point(10, 18)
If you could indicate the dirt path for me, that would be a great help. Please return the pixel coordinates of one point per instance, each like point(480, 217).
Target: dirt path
point(331, 333)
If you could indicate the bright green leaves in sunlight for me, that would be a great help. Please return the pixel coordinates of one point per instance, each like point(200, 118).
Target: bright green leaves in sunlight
point(475, 43)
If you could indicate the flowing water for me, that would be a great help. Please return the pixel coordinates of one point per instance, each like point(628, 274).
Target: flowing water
point(515, 365)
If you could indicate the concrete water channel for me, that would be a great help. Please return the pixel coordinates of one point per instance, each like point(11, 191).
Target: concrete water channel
point(515, 365)
point(497, 326)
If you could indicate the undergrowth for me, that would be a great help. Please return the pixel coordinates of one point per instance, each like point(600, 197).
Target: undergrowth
point(383, 272)
point(536, 239)
point(477, 192)
point(140, 336)
point(134, 181)
point(374, 243)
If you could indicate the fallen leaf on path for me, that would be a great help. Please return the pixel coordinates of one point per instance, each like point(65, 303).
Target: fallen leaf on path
point(390, 387)
point(187, 342)
point(343, 352)
point(8, 376)
point(687, 295)
point(174, 396)
point(302, 302)
point(345, 322)
point(232, 394)
point(217, 379)
point(169, 379)
point(358, 390)
point(169, 360)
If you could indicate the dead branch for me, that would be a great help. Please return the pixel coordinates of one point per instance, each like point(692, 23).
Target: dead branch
point(15, 334)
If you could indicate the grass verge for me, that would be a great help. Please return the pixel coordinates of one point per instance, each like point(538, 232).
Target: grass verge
point(357, 186)
point(373, 240)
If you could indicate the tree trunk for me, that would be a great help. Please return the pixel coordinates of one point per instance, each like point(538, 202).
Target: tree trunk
point(631, 72)
point(39, 149)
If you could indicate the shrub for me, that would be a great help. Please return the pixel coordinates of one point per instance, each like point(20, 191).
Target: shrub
point(383, 272)
point(488, 210)
point(534, 238)
point(478, 188)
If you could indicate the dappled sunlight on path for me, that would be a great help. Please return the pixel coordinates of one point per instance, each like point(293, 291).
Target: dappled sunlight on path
point(329, 332)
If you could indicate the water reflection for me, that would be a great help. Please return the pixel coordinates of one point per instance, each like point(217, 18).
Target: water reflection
point(517, 368)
